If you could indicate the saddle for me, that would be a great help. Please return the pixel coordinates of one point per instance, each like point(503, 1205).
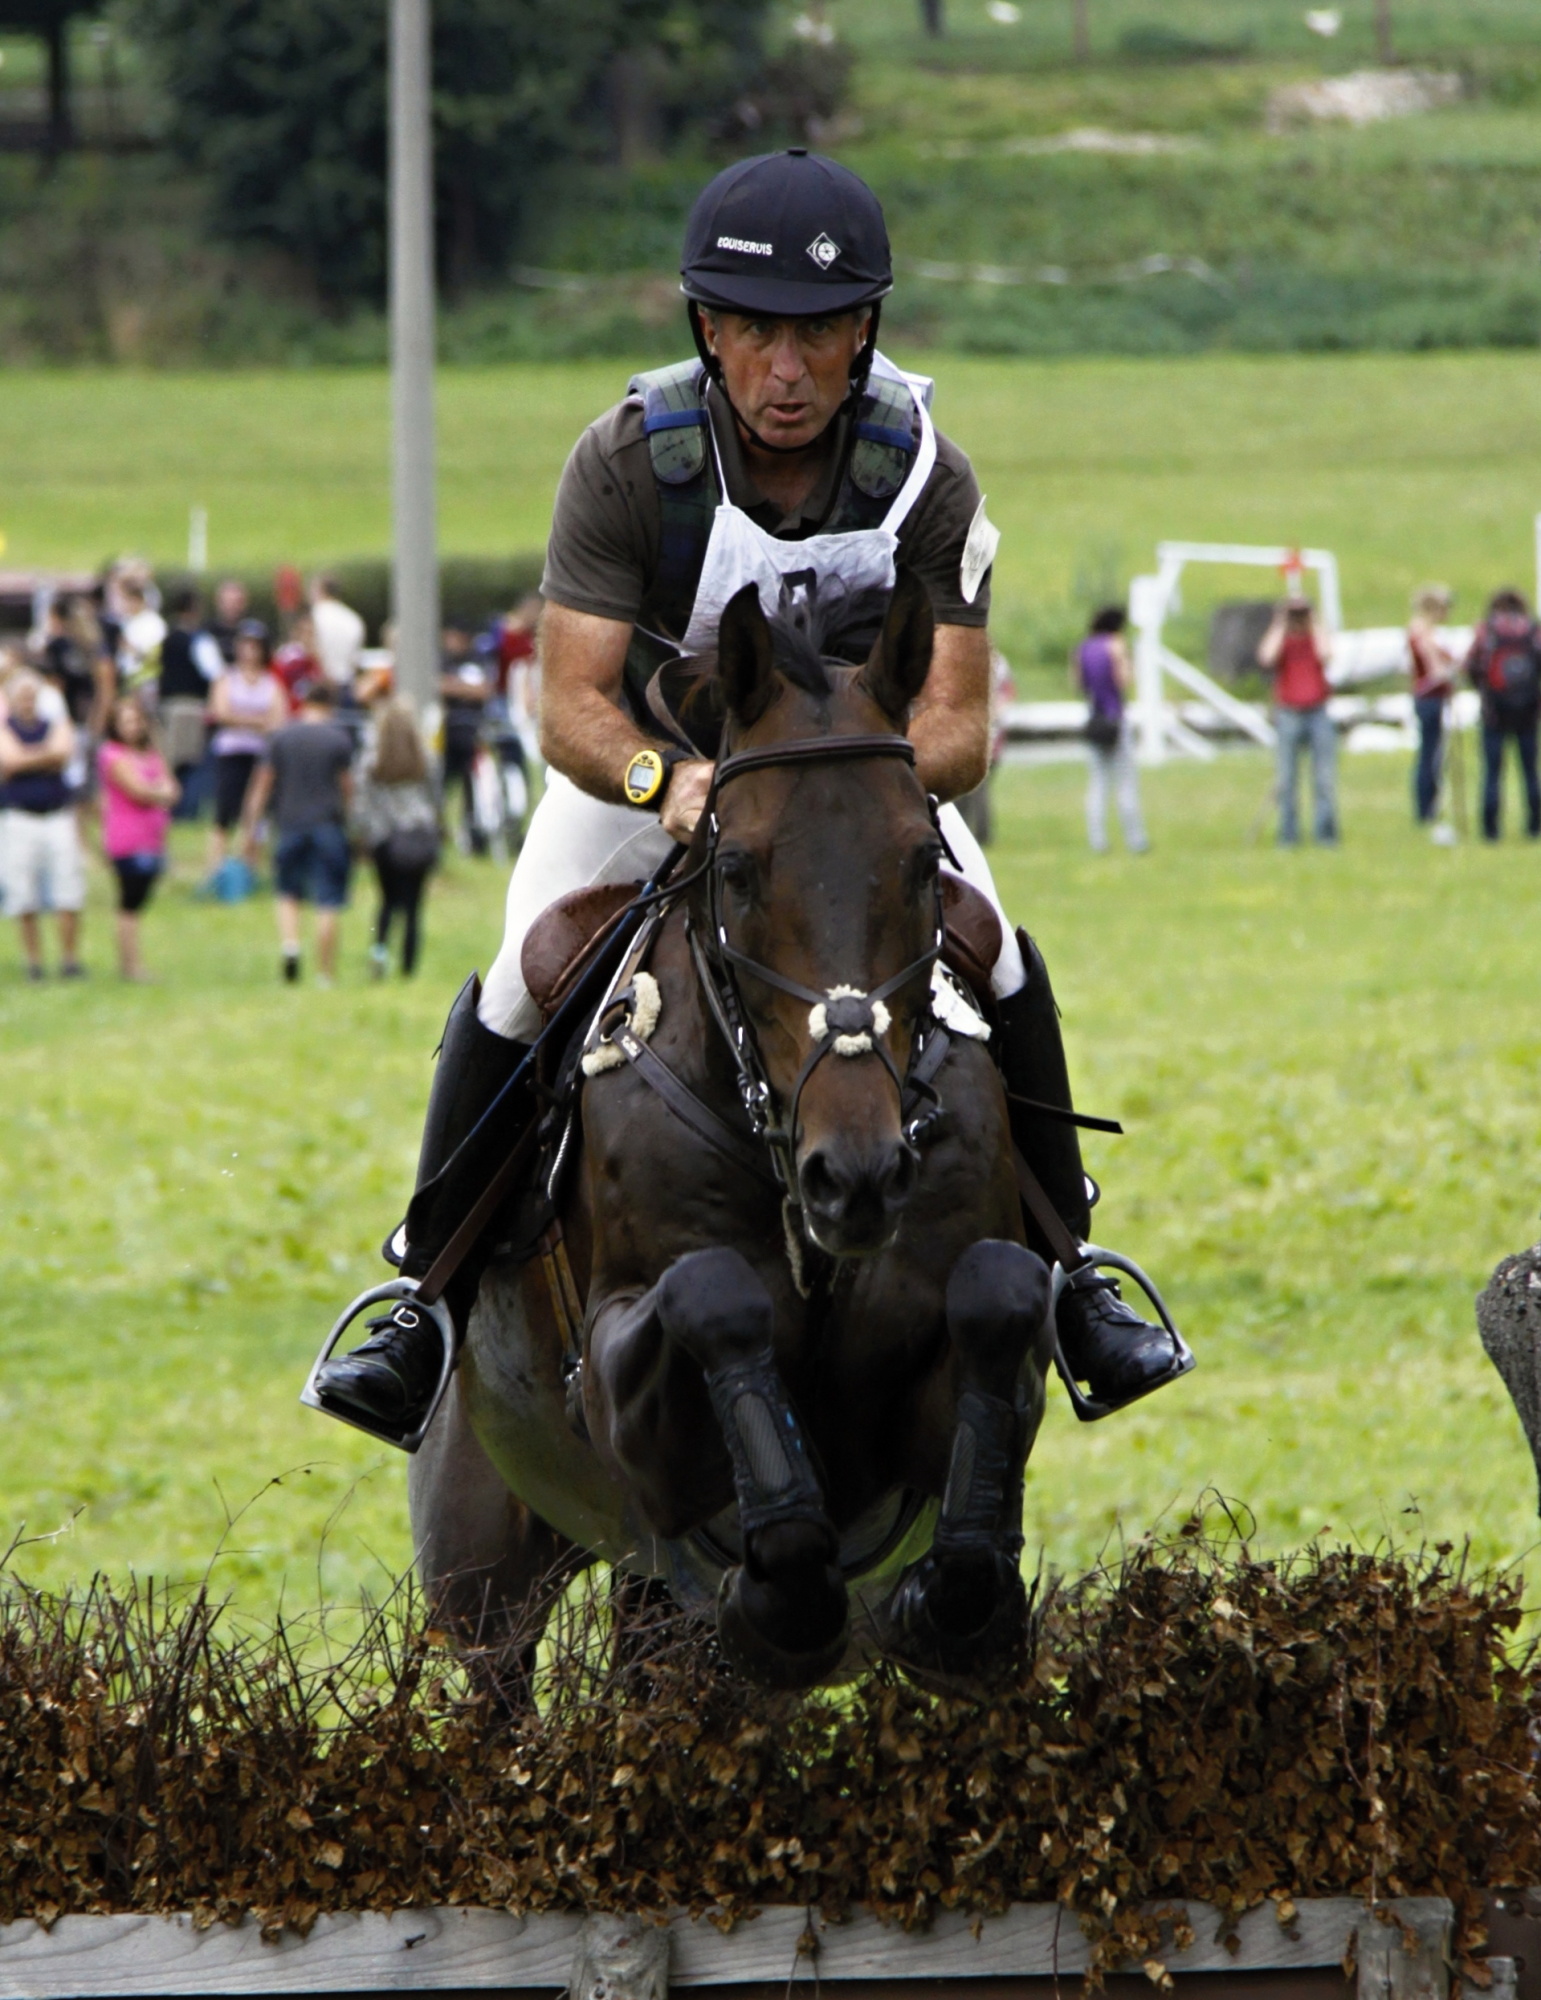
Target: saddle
point(563, 938)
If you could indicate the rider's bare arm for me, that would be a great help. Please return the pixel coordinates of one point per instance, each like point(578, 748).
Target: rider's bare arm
point(950, 723)
point(584, 732)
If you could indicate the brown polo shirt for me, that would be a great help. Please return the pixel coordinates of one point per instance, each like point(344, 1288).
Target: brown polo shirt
point(603, 552)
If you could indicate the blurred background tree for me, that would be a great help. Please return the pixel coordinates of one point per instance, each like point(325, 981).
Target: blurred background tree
point(281, 105)
point(50, 21)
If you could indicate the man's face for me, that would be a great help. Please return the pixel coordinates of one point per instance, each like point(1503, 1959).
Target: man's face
point(22, 697)
point(230, 602)
point(786, 377)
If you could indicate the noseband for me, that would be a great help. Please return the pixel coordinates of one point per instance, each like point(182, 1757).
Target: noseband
point(844, 1021)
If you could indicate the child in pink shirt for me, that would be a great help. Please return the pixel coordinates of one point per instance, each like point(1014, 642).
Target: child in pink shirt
point(138, 792)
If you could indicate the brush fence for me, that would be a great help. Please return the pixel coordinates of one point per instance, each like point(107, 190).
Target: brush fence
point(1401, 1952)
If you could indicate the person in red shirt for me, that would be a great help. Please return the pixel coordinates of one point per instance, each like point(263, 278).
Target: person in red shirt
point(296, 662)
point(1296, 654)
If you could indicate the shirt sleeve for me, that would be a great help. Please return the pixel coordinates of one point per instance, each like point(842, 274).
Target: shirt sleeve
point(932, 540)
point(595, 559)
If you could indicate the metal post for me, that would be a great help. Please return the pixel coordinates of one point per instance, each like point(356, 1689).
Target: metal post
point(415, 579)
point(1537, 598)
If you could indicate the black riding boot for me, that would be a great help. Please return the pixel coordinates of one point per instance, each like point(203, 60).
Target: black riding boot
point(1106, 1345)
point(388, 1381)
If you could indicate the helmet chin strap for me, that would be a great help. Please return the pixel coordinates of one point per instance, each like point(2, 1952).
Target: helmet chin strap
point(861, 367)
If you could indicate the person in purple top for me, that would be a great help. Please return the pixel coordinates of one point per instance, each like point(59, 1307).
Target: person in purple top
point(1101, 672)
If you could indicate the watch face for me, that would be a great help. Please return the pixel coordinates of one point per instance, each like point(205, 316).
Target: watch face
point(644, 775)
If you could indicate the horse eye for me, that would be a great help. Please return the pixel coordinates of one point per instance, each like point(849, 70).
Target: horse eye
point(737, 871)
point(927, 863)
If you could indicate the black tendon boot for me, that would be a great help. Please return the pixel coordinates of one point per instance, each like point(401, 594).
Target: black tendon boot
point(388, 1381)
point(1106, 1345)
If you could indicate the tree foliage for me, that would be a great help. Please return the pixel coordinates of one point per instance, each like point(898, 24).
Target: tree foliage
point(282, 103)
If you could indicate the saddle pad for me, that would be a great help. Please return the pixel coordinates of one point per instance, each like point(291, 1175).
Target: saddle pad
point(558, 940)
point(972, 942)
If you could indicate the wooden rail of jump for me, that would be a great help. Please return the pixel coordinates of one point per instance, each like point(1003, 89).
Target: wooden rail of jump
point(1401, 1950)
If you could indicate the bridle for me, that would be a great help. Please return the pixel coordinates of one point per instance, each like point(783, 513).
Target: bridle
point(843, 1021)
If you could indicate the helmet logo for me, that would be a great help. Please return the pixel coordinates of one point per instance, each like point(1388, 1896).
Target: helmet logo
point(823, 251)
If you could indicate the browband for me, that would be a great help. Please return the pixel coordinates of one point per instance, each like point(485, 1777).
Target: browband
point(809, 750)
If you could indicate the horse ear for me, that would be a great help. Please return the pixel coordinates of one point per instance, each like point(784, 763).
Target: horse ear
point(901, 659)
point(744, 658)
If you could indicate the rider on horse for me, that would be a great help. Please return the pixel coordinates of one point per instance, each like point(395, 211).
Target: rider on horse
point(788, 428)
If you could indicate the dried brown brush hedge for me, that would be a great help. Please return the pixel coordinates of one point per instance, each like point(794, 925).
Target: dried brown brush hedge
point(1195, 1722)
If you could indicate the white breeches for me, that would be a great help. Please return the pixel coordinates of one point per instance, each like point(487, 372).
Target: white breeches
point(576, 842)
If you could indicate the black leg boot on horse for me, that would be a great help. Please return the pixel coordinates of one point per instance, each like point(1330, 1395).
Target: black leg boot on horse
point(961, 1610)
point(782, 1614)
point(387, 1384)
point(1105, 1344)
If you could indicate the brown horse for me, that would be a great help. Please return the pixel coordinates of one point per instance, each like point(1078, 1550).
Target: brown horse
point(814, 1343)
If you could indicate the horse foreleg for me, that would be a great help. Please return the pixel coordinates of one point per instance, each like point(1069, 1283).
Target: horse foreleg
point(963, 1604)
point(488, 1564)
point(782, 1616)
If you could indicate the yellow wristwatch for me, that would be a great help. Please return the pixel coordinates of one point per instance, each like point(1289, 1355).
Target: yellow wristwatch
point(647, 774)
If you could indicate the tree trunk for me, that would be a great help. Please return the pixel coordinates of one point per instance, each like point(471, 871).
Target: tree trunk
point(60, 126)
point(634, 119)
point(932, 20)
point(1081, 32)
point(1384, 47)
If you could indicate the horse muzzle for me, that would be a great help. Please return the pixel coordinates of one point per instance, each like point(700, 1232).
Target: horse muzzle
point(852, 1198)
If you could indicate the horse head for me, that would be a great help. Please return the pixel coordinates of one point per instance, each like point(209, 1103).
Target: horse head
point(824, 897)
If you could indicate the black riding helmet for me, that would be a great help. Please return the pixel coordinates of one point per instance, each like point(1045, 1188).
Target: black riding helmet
point(787, 236)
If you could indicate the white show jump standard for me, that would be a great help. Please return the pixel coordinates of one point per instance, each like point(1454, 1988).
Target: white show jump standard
point(1402, 1951)
point(1152, 598)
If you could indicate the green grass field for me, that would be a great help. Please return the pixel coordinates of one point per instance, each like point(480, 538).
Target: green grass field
point(1327, 1063)
point(1407, 466)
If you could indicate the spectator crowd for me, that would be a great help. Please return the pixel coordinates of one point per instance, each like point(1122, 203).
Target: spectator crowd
point(1502, 663)
point(121, 712)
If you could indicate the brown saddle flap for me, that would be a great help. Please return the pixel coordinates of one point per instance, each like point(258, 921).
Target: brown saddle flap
point(557, 942)
point(972, 942)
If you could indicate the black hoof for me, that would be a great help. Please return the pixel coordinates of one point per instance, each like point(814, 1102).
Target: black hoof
point(810, 1637)
point(963, 1614)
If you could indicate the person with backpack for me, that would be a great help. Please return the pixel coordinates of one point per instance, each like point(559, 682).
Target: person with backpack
point(1504, 666)
point(1102, 673)
point(397, 819)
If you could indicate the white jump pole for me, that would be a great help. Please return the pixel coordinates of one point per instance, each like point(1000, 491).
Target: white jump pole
point(1148, 597)
point(415, 571)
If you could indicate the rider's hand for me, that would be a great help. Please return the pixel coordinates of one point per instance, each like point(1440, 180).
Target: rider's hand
point(686, 795)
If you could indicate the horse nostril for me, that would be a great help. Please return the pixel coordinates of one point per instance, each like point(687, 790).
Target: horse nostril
point(857, 1189)
point(898, 1176)
point(822, 1187)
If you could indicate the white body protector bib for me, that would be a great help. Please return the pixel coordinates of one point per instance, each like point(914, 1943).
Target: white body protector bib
point(741, 552)
point(575, 841)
